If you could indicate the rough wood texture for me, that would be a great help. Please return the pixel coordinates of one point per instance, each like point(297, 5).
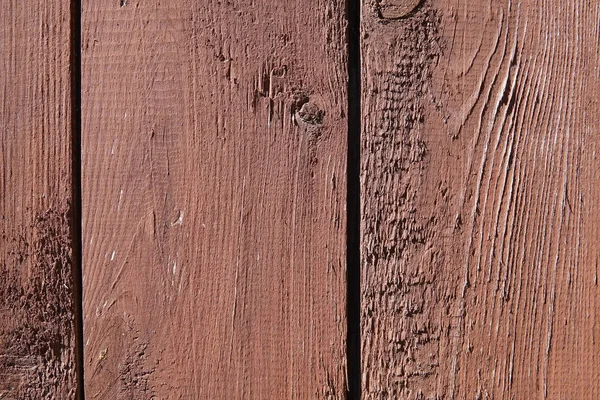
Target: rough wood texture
point(37, 339)
point(214, 148)
point(480, 201)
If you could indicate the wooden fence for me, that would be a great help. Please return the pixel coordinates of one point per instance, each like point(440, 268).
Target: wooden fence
point(223, 199)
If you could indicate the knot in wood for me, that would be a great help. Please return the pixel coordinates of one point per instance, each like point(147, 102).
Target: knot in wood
point(311, 114)
point(396, 9)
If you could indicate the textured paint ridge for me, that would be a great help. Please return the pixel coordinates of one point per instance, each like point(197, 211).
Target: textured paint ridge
point(36, 297)
point(400, 255)
point(488, 251)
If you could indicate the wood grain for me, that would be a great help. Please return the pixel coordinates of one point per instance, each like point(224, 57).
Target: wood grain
point(480, 201)
point(214, 160)
point(37, 335)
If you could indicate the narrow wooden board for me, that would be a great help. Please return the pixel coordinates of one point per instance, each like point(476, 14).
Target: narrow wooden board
point(214, 148)
point(481, 200)
point(37, 334)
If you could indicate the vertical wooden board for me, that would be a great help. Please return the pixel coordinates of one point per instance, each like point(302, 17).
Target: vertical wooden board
point(480, 199)
point(214, 159)
point(37, 334)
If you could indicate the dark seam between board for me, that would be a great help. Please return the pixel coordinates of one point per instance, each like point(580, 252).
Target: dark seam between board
point(76, 223)
point(353, 203)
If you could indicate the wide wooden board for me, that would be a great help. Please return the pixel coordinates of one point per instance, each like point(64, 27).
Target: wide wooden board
point(37, 313)
point(214, 161)
point(480, 199)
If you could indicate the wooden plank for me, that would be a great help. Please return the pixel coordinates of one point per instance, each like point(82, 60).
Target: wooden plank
point(480, 198)
point(37, 331)
point(214, 148)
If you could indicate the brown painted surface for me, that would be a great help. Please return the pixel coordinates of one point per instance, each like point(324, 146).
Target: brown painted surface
point(480, 200)
point(214, 178)
point(214, 147)
point(37, 338)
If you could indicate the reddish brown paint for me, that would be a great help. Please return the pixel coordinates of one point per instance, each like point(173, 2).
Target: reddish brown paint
point(214, 160)
point(214, 148)
point(37, 335)
point(479, 198)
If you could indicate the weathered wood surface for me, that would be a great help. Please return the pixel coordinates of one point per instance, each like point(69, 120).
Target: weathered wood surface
point(37, 335)
point(480, 200)
point(214, 148)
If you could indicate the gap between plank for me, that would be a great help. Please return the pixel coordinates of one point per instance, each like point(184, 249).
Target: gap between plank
point(76, 227)
point(353, 202)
